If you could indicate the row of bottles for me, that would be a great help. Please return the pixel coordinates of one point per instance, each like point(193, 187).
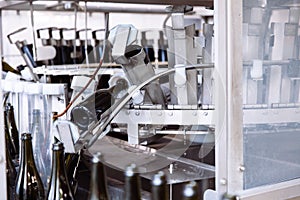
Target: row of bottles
point(62, 184)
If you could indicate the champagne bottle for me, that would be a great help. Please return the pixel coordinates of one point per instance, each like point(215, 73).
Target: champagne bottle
point(29, 185)
point(132, 183)
point(159, 187)
point(190, 191)
point(9, 145)
point(98, 184)
point(59, 187)
point(38, 144)
point(12, 128)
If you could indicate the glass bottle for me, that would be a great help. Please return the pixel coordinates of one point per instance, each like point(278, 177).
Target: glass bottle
point(132, 183)
point(98, 184)
point(11, 175)
point(29, 185)
point(9, 145)
point(48, 141)
point(190, 191)
point(59, 187)
point(38, 144)
point(159, 187)
point(12, 128)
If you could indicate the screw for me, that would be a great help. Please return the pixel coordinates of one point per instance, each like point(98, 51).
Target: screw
point(171, 113)
point(159, 113)
point(137, 113)
point(205, 113)
point(195, 113)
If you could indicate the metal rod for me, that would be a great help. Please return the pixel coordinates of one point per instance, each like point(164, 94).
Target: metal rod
point(75, 29)
point(86, 35)
point(33, 31)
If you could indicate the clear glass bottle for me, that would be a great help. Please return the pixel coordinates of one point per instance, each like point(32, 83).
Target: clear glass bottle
point(29, 185)
point(132, 183)
point(159, 187)
point(59, 187)
point(98, 184)
point(38, 144)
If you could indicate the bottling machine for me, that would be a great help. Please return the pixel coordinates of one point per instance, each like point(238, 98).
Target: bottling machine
point(224, 109)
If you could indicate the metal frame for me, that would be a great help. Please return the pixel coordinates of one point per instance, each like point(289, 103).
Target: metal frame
point(3, 194)
point(229, 133)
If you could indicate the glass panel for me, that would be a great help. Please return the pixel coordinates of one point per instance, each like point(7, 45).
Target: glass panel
point(271, 97)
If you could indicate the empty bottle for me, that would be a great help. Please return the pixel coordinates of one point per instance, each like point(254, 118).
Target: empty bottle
point(29, 185)
point(132, 183)
point(9, 145)
point(59, 187)
point(190, 191)
point(159, 187)
point(11, 175)
point(98, 184)
point(12, 128)
point(39, 145)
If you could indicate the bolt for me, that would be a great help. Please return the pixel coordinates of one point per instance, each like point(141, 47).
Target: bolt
point(242, 168)
point(137, 113)
point(223, 181)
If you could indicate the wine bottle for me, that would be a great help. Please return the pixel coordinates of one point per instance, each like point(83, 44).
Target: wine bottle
point(190, 191)
point(9, 145)
point(12, 128)
point(38, 144)
point(11, 175)
point(159, 187)
point(59, 187)
point(98, 184)
point(132, 183)
point(29, 185)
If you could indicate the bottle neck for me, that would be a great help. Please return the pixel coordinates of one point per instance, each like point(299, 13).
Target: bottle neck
point(132, 188)
point(98, 181)
point(36, 119)
point(58, 164)
point(27, 153)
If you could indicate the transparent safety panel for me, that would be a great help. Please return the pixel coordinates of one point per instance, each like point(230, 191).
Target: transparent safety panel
point(271, 97)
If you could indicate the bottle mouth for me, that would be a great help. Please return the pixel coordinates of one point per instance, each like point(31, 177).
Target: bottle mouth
point(26, 136)
point(58, 146)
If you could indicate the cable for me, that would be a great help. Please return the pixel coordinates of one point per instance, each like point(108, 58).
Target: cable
point(93, 76)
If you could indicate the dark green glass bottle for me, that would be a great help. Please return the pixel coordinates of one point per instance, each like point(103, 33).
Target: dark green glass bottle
point(29, 185)
point(9, 145)
point(132, 183)
point(190, 191)
point(11, 175)
point(159, 187)
point(98, 184)
point(12, 128)
point(59, 187)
